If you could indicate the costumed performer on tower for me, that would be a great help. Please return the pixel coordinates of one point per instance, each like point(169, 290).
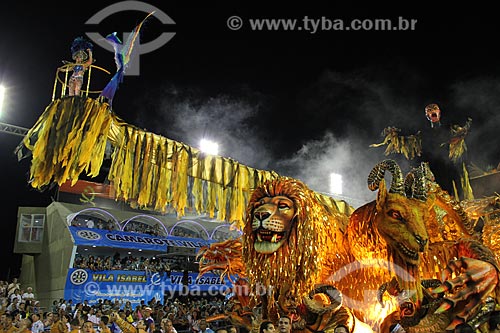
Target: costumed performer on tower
point(81, 53)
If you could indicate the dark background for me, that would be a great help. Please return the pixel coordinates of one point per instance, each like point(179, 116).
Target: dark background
point(299, 103)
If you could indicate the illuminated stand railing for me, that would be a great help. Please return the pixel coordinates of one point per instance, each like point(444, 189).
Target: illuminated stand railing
point(61, 83)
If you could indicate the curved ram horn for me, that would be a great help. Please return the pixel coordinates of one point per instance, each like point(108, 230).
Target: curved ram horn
point(380, 293)
point(419, 188)
point(415, 184)
point(377, 174)
point(409, 183)
point(429, 175)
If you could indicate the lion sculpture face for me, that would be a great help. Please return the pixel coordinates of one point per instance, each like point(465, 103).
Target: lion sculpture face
point(288, 237)
point(271, 223)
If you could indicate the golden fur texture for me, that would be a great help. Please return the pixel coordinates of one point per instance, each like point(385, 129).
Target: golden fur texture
point(299, 263)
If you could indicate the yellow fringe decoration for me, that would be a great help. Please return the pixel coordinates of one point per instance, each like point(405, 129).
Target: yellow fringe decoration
point(148, 171)
point(410, 146)
point(68, 138)
point(466, 187)
point(457, 142)
point(153, 172)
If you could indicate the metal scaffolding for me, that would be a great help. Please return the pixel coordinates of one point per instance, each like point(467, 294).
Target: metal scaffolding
point(13, 129)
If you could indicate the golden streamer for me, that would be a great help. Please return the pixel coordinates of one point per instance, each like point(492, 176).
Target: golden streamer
point(179, 181)
point(197, 189)
point(66, 140)
point(147, 170)
point(410, 146)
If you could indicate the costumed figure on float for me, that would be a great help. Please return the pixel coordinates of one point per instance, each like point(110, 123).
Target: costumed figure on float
point(81, 53)
point(443, 147)
point(71, 135)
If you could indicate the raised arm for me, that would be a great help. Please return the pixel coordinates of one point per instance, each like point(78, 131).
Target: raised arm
point(90, 60)
point(124, 325)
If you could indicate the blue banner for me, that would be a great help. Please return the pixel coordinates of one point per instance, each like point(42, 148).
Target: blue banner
point(131, 240)
point(134, 286)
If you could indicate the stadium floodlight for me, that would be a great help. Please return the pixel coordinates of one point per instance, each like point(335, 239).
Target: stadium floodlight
point(2, 97)
point(335, 183)
point(209, 147)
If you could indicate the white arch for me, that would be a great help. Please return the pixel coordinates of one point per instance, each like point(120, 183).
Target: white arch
point(220, 226)
point(149, 217)
point(190, 222)
point(71, 217)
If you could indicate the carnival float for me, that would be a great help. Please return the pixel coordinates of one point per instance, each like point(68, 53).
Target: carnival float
point(417, 256)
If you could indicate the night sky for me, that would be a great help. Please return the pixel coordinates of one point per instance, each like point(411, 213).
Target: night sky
point(301, 103)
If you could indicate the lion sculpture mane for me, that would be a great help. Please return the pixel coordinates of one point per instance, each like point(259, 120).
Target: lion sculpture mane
point(289, 239)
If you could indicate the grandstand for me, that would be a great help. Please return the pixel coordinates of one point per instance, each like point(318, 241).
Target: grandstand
point(101, 249)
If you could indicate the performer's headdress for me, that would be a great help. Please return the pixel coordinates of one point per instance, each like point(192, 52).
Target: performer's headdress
point(79, 48)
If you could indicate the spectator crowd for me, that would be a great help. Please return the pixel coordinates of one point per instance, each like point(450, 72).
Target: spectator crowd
point(21, 313)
